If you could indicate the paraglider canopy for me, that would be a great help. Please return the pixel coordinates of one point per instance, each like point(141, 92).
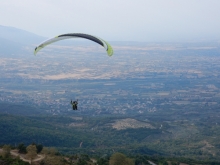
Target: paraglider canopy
point(100, 41)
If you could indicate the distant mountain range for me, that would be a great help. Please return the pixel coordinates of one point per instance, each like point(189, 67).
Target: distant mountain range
point(16, 41)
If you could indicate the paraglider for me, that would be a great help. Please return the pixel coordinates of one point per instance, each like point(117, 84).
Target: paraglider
point(100, 41)
point(74, 104)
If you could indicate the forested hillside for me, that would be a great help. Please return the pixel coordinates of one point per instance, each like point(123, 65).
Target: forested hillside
point(106, 135)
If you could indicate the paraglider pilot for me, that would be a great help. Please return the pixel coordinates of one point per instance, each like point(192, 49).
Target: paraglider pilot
point(74, 104)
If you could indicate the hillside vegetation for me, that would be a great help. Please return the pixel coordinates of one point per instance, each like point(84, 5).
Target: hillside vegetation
point(106, 135)
point(36, 154)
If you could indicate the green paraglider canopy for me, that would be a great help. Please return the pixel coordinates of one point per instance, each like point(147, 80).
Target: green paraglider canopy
point(100, 41)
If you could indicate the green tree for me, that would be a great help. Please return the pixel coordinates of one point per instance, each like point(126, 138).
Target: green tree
point(22, 148)
point(31, 152)
point(120, 159)
point(6, 151)
point(39, 148)
point(81, 162)
point(102, 161)
point(45, 150)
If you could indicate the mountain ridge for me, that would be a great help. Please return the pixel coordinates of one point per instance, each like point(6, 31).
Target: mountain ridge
point(14, 41)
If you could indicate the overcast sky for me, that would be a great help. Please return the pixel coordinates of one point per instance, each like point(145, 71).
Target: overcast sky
point(116, 20)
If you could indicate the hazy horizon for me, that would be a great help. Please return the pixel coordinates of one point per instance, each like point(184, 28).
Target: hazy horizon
point(141, 21)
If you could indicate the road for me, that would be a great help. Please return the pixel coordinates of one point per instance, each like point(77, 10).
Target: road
point(151, 162)
point(22, 156)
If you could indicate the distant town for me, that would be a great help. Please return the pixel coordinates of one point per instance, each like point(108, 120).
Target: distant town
point(137, 79)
